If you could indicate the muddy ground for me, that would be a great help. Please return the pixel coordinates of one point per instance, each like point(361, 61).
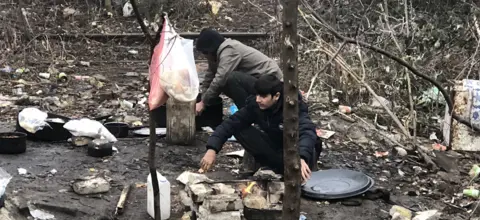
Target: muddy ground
point(122, 74)
point(129, 166)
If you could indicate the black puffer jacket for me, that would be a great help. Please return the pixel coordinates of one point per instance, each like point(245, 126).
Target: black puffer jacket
point(271, 122)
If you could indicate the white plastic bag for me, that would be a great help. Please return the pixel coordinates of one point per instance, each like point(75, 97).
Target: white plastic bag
point(177, 70)
point(4, 180)
point(127, 9)
point(89, 128)
point(32, 119)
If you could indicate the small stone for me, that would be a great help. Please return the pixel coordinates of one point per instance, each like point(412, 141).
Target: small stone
point(91, 186)
point(255, 201)
point(428, 215)
point(401, 152)
point(400, 213)
point(386, 173)
point(267, 175)
point(221, 188)
point(275, 198)
point(188, 178)
point(223, 202)
point(199, 192)
point(186, 200)
point(276, 187)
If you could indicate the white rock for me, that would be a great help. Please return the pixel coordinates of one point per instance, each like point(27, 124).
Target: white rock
point(400, 213)
point(91, 186)
point(222, 203)
point(401, 152)
point(188, 177)
point(199, 192)
point(221, 188)
point(428, 215)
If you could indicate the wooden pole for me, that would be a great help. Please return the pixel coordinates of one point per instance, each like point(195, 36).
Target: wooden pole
point(153, 133)
point(292, 175)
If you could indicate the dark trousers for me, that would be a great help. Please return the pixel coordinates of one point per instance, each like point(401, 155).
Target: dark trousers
point(238, 87)
point(259, 145)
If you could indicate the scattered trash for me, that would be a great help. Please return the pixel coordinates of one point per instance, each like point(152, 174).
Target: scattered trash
point(400, 213)
point(379, 154)
point(6, 69)
point(207, 129)
point(92, 185)
point(127, 9)
point(126, 104)
point(77, 77)
point(22, 171)
point(428, 215)
point(303, 217)
point(81, 141)
point(67, 12)
point(238, 153)
point(53, 171)
point(4, 180)
point(84, 63)
point(433, 137)
point(215, 6)
point(324, 134)
point(474, 172)
point(401, 152)
point(122, 200)
point(62, 77)
point(89, 128)
point(140, 185)
point(44, 75)
point(32, 119)
point(345, 109)
point(233, 108)
point(132, 74)
point(474, 193)
point(92, 170)
point(134, 52)
point(431, 95)
point(232, 139)
point(439, 147)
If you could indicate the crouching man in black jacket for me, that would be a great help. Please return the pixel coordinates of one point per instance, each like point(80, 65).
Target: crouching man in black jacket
point(266, 145)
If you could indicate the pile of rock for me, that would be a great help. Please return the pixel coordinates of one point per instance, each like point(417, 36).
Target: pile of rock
point(219, 201)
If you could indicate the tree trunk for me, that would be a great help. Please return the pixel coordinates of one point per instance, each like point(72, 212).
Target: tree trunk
point(180, 122)
point(291, 199)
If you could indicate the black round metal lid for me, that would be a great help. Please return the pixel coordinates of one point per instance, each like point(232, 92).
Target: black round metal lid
point(336, 184)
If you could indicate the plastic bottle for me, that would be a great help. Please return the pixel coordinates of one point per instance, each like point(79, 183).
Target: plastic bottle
point(164, 188)
point(474, 193)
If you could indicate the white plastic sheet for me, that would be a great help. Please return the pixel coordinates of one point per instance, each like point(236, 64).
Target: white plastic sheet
point(32, 119)
point(89, 128)
point(4, 180)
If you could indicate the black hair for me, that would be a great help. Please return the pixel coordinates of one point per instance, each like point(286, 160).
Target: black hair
point(209, 41)
point(268, 84)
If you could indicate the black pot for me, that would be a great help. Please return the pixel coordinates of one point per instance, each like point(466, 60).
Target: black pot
point(261, 214)
point(13, 143)
point(55, 132)
point(118, 129)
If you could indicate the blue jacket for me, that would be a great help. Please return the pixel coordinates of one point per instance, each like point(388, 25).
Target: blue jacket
point(271, 122)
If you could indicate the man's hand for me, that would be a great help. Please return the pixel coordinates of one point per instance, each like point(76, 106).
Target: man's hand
point(199, 107)
point(207, 160)
point(305, 171)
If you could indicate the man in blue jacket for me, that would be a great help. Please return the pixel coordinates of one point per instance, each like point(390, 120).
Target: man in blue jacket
point(266, 145)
